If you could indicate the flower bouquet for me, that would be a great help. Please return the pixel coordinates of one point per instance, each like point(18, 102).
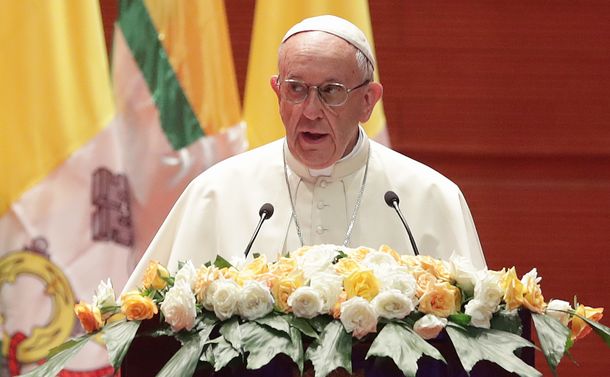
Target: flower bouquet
point(320, 301)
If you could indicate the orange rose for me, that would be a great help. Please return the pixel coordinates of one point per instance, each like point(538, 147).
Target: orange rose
point(580, 328)
point(335, 311)
point(388, 250)
point(362, 283)
point(532, 296)
point(424, 279)
point(137, 307)
point(514, 290)
point(441, 299)
point(90, 317)
point(155, 276)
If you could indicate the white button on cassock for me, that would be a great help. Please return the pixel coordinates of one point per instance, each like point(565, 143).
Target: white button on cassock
point(320, 229)
point(321, 205)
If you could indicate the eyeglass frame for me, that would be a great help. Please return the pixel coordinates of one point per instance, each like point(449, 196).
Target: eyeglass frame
point(317, 87)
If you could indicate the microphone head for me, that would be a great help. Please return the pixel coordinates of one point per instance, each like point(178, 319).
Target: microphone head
point(266, 210)
point(390, 197)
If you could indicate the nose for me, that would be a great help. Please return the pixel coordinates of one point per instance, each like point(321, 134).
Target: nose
point(312, 106)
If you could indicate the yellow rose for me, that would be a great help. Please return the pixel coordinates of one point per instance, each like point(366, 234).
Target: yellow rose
point(579, 328)
point(283, 286)
point(532, 296)
point(137, 307)
point(155, 276)
point(283, 266)
point(441, 299)
point(514, 290)
point(388, 250)
point(257, 266)
point(362, 283)
point(346, 266)
point(360, 253)
point(300, 251)
point(90, 317)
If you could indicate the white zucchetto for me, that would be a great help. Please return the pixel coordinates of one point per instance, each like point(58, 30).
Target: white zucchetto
point(336, 26)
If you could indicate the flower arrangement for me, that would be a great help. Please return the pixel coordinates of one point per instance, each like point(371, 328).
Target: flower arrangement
point(330, 295)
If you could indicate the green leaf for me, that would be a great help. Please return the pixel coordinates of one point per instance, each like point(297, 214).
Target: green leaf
point(320, 322)
point(332, 350)
point(184, 362)
point(219, 353)
point(61, 355)
point(263, 344)
point(403, 346)
point(460, 318)
point(598, 328)
point(230, 330)
point(303, 326)
point(473, 345)
point(220, 262)
point(553, 338)
point(507, 320)
point(276, 322)
point(118, 337)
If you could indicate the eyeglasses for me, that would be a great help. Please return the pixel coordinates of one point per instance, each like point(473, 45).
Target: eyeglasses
point(332, 94)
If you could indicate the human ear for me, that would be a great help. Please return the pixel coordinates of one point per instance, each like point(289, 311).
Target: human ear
point(275, 85)
point(373, 94)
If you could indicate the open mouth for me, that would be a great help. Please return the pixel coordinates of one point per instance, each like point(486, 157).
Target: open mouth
point(312, 137)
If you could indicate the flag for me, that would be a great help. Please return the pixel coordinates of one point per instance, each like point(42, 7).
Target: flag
point(272, 19)
point(56, 108)
point(92, 160)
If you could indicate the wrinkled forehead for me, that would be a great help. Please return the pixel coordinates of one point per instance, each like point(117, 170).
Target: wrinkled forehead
point(318, 54)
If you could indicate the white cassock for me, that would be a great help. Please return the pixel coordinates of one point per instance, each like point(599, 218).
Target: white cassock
point(219, 210)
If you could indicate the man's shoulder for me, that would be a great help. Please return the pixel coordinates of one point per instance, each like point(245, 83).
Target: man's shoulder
point(253, 162)
point(402, 167)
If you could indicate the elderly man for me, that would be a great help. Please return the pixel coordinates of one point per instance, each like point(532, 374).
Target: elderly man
point(326, 179)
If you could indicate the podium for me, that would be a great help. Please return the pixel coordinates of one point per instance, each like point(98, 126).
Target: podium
point(147, 355)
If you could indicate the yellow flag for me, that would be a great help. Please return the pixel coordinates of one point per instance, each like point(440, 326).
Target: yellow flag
point(272, 19)
point(55, 93)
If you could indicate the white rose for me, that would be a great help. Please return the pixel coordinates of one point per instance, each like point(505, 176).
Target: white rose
point(399, 278)
point(358, 317)
point(178, 307)
point(187, 274)
point(480, 313)
point(254, 300)
point(392, 304)
point(317, 259)
point(379, 262)
point(329, 286)
point(561, 316)
point(487, 289)
point(429, 326)
point(531, 276)
point(104, 295)
point(223, 296)
point(463, 272)
point(306, 302)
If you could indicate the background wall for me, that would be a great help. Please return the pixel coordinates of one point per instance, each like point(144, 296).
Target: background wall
point(511, 100)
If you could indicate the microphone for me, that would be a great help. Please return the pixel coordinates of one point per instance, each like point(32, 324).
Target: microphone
point(265, 213)
point(392, 200)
